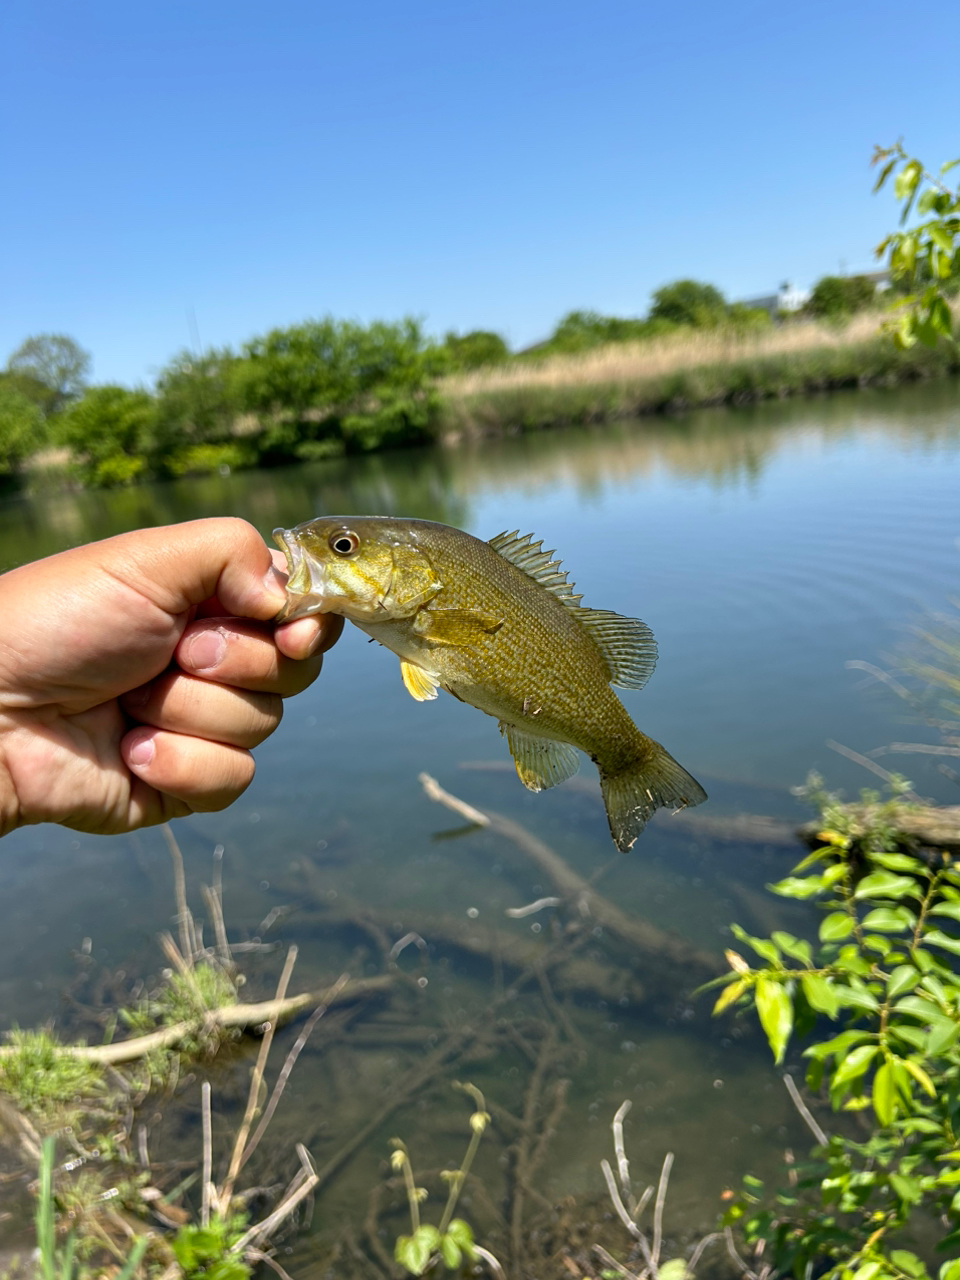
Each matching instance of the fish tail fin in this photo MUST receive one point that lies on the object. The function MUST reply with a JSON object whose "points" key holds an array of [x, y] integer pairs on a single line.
{"points": [[632, 795]]}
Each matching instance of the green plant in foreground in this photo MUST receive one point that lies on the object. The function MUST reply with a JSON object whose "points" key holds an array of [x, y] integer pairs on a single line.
{"points": [[206, 1251], [885, 971], [61, 1263], [45, 1083], [925, 258], [452, 1241]]}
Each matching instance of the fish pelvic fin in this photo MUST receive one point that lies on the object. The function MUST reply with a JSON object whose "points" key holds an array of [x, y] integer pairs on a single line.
{"points": [[420, 684], [633, 795], [541, 762]]}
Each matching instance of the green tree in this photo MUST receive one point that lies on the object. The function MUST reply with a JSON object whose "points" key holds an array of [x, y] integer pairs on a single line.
{"points": [[837, 297], [924, 258], [329, 384], [689, 302], [22, 426], [110, 432], [475, 349], [52, 368]]}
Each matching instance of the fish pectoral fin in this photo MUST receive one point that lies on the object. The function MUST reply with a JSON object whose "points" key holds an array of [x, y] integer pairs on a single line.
{"points": [[420, 684], [461, 627], [541, 762]]}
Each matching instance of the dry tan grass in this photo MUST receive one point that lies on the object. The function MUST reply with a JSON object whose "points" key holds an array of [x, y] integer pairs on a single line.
{"points": [[633, 361]]}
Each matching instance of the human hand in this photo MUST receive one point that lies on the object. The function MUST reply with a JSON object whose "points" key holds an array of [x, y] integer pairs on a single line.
{"points": [[137, 673]]}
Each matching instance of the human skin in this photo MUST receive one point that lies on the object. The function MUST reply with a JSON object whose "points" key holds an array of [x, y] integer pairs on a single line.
{"points": [[137, 673]]}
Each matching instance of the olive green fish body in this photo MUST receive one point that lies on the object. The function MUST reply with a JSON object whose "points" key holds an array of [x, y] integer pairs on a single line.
{"points": [[498, 626]]}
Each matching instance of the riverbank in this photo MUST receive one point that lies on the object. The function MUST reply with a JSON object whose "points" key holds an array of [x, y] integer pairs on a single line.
{"points": [[682, 372]]}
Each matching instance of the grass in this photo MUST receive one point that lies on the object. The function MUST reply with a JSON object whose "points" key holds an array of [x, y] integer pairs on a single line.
{"points": [[684, 371]]}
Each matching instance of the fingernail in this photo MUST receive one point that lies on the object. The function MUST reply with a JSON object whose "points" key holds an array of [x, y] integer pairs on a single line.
{"points": [[142, 750], [205, 650]]}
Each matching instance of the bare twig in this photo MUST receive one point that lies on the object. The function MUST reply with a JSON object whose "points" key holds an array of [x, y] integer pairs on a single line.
{"points": [[434, 790], [867, 763], [807, 1115], [231, 1015], [207, 1154], [490, 1260], [658, 1208], [188, 937], [253, 1097], [532, 907], [263, 1230], [288, 1065], [623, 1165], [701, 1247], [215, 907], [609, 1261]]}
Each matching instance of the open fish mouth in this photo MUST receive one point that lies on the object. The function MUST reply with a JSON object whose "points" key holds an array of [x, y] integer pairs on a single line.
{"points": [[305, 579]]}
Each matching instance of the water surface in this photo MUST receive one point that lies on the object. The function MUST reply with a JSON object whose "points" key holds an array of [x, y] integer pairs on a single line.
{"points": [[766, 548]]}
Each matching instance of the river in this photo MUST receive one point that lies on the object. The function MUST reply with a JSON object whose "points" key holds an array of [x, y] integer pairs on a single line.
{"points": [[767, 548]]}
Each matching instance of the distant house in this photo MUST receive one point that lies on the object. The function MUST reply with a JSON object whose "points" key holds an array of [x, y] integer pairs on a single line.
{"points": [[786, 300]]}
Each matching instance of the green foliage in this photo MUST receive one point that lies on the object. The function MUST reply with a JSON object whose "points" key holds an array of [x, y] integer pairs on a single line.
{"points": [[475, 349], [583, 330], [689, 302], [43, 1080], [367, 386], [924, 259], [22, 426], [884, 970], [51, 369], [110, 431], [839, 297], [60, 1263], [204, 1253], [452, 1241]]}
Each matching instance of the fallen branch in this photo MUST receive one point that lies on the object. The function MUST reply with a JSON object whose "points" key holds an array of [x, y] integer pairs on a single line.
{"points": [[230, 1015]]}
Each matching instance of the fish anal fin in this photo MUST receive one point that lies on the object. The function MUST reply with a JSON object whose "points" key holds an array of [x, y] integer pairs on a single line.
{"points": [[633, 795], [627, 645], [541, 762], [462, 627], [420, 684], [525, 554]]}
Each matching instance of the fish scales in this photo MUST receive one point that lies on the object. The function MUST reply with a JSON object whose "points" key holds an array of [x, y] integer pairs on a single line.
{"points": [[498, 626]]}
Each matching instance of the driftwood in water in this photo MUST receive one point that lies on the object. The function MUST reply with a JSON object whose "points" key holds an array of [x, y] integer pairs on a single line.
{"points": [[917, 827], [643, 938], [515, 951]]}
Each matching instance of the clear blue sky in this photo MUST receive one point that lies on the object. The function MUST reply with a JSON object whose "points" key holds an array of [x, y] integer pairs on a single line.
{"points": [[478, 165]]}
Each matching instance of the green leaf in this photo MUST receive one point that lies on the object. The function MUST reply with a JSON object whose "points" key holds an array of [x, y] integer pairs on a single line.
{"points": [[451, 1252], [867, 1271], [904, 978], [884, 175], [675, 1269], [889, 919], [949, 909], [884, 1094], [908, 1262], [907, 1189], [937, 938], [414, 1252], [854, 1065], [836, 926], [920, 1076], [898, 862], [941, 318], [855, 998], [766, 950], [839, 1044], [943, 1036], [731, 994], [820, 994], [462, 1233], [796, 948], [798, 887], [950, 1270], [775, 1010], [884, 884]]}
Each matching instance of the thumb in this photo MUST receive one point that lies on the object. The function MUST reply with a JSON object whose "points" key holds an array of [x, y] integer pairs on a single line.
{"points": [[181, 565]]}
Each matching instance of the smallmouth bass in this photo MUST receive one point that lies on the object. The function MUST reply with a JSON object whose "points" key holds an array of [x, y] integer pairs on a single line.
{"points": [[498, 625]]}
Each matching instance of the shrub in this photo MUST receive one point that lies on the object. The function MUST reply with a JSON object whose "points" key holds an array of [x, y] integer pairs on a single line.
{"points": [[110, 431]]}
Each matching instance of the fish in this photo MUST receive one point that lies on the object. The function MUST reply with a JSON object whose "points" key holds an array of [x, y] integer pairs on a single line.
{"points": [[498, 625]]}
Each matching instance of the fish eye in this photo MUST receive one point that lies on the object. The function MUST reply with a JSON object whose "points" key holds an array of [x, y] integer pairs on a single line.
{"points": [[343, 542]]}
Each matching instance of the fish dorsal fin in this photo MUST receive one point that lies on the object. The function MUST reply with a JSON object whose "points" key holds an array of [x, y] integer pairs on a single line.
{"points": [[541, 762], [627, 645], [522, 551]]}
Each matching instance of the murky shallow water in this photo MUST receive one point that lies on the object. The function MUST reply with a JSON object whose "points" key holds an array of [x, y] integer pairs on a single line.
{"points": [[766, 548]]}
